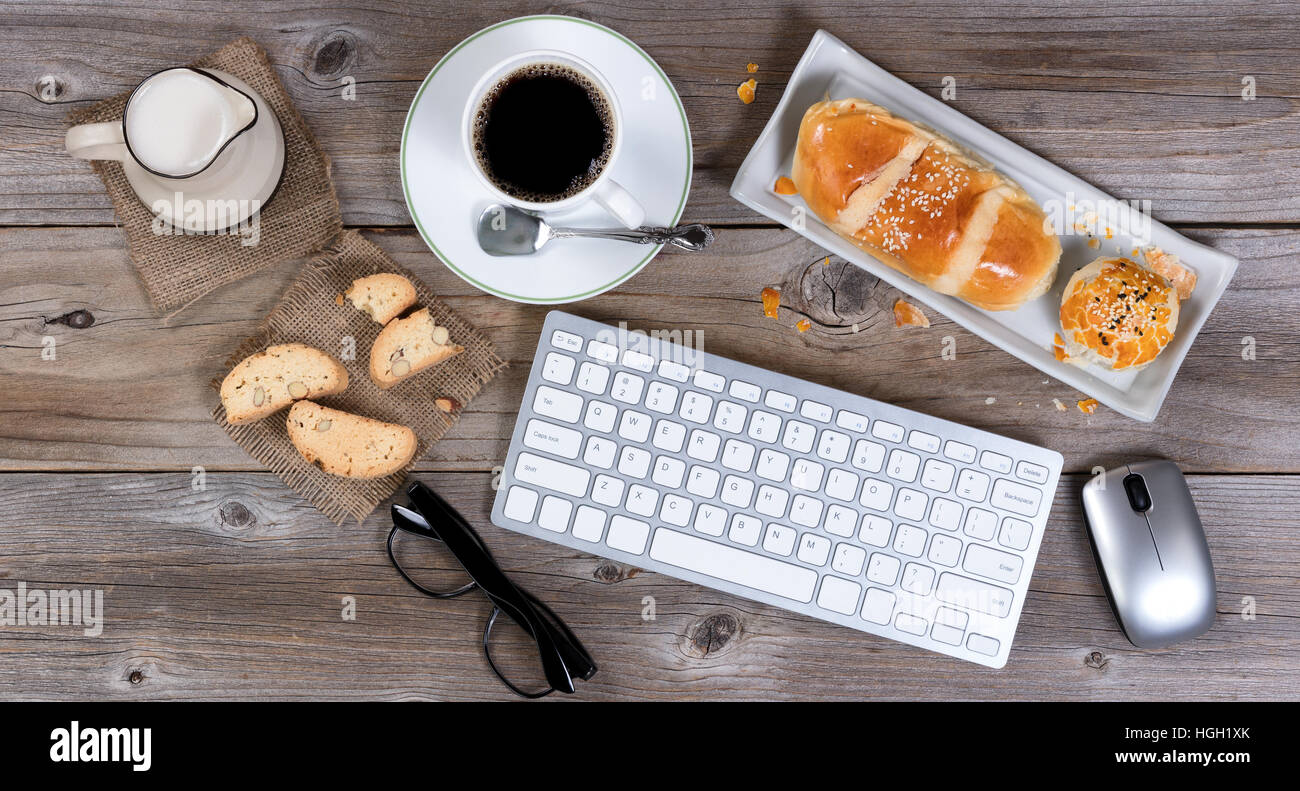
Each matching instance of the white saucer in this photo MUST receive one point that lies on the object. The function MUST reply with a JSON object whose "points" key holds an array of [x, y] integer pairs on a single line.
{"points": [[445, 198]]}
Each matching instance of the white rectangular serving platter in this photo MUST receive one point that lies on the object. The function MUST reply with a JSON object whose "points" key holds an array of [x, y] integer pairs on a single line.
{"points": [[829, 67]]}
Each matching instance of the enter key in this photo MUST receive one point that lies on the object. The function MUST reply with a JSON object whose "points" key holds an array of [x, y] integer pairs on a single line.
{"points": [[991, 563]]}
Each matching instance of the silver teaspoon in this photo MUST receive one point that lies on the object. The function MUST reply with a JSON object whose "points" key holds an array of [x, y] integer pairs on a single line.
{"points": [[506, 230]]}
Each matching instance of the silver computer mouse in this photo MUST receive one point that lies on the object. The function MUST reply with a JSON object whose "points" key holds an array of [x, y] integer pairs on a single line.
{"points": [[1151, 551]]}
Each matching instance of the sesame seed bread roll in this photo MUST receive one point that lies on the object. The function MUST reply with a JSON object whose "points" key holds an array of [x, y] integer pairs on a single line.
{"points": [[266, 382], [1118, 314], [349, 445], [923, 206]]}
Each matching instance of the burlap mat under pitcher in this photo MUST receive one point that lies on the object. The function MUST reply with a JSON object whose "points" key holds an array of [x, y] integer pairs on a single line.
{"points": [[301, 218], [308, 313]]}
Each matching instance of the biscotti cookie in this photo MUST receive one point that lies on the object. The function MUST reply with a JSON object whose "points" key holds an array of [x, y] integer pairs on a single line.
{"points": [[270, 380], [408, 346], [349, 445], [383, 297]]}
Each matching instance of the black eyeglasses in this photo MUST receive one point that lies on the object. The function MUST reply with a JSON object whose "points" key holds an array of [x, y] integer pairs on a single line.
{"points": [[560, 656]]}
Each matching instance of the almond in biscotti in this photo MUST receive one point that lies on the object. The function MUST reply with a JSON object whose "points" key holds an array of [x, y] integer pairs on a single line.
{"points": [[352, 446], [270, 380], [407, 346], [382, 297]]}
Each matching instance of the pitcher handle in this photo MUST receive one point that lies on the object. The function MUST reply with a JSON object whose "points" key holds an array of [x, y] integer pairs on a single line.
{"points": [[97, 141]]}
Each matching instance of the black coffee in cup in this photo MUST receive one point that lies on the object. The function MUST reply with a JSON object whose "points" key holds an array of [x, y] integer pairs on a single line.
{"points": [[543, 133]]}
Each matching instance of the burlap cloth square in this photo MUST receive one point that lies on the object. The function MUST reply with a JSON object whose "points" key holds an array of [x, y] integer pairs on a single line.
{"points": [[301, 218], [308, 313]]}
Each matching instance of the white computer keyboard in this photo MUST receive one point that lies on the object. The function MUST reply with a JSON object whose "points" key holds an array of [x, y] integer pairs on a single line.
{"points": [[776, 489]]}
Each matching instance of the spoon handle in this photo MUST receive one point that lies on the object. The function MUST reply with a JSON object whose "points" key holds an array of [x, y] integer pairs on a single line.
{"points": [[687, 237]]}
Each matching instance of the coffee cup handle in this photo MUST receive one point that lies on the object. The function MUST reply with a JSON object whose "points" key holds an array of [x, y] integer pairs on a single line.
{"points": [[620, 203], [97, 141]]}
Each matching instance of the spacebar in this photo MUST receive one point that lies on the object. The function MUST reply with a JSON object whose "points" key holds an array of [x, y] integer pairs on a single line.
{"points": [[733, 565]]}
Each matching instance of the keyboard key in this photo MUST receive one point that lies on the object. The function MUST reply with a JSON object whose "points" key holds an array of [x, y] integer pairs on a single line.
{"points": [[635, 426], [937, 475], [974, 595], [917, 579], [805, 511], [737, 491], [566, 340], [912, 624], [638, 361], [783, 402], [798, 436], [945, 550], [589, 523], [945, 514], [839, 595], [1015, 533], [910, 541], [815, 411], [744, 391], [703, 481], [669, 436], [849, 559], [548, 437], [842, 485], [703, 445], [696, 406], [634, 462], [807, 475], [709, 381], [981, 524], [1033, 473], [607, 490], [992, 563], [602, 351], [627, 535], [641, 500], [674, 371], [852, 421], [922, 441], [883, 569], [972, 485], [669, 472], [902, 465], [949, 635], [959, 451], [549, 402], [981, 644], [815, 550], [764, 427], [551, 474], [600, 416], [771, 501], [779, 540], [730, 417], [833, 446], [520, 504], [592, 378], [868, 455], [911, 504], [555, 514], [600, 453], [627, 388], [1015, 497], [772, 465], [745, 530], [995, 462], [710, 520], [733, 565], [876, 494], [878, 606], [875, 530], [889, 432], [661, 398], [737, 455], [558, 368]]}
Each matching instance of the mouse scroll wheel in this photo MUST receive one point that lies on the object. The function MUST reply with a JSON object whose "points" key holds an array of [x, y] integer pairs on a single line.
{"points": [[1138, 496]]}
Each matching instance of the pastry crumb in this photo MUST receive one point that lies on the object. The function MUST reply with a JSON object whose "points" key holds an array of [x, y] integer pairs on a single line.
{"points": [[785, 186], [1168, 266], [990, 400], [1088, 406], [746, 90], [771, 302], [751, 67], [1060, 407], [908, 315], [803, 325], [338, 299]]}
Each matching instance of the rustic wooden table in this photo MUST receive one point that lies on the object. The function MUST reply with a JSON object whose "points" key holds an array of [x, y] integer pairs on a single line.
{"points": [[236, 591]]}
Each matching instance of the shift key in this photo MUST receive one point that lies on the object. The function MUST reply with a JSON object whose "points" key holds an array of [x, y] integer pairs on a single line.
{"points": [[550, 474]]}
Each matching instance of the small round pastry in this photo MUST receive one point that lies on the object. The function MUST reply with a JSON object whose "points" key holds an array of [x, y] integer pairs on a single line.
{"points": [[1118, 314]]}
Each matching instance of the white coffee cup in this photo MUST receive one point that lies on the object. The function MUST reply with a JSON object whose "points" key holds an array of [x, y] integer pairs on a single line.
{"points": [[606, 192]]}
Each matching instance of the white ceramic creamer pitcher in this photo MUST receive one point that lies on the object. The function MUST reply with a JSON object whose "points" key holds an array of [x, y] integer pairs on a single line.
{"points": [[200, 148]]}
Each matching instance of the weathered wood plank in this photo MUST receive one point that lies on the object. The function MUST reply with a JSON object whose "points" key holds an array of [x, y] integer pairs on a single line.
{"points": [[237, 592], [130, 391], [1143, 100]]}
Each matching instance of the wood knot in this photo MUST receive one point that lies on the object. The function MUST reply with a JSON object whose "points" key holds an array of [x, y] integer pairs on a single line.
{"points": [[235, 514], [610, 573], [835, 293], [50, 89], [712, 635], [335, 53], [1096, 660], [136, 677], [77, 319]]}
